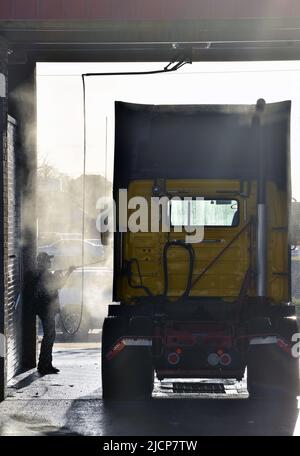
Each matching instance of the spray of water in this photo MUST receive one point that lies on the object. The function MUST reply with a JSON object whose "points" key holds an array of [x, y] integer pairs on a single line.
{"points": [[52, 216]]}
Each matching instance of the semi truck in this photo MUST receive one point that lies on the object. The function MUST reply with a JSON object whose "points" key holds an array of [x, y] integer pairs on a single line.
{"points": [[217, 306]]}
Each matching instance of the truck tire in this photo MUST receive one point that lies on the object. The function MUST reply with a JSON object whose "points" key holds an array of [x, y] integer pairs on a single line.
{"points": [[272, 372], [129, 375]]}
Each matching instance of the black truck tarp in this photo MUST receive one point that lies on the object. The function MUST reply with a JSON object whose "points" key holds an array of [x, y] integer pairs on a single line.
{"points": [[199, 141]]}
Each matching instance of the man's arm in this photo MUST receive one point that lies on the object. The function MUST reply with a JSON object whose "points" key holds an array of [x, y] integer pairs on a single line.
{"points": [[61, 277]]}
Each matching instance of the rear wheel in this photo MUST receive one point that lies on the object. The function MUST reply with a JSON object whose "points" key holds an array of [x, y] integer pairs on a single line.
{"points": [[271, 370], [129, 374]]}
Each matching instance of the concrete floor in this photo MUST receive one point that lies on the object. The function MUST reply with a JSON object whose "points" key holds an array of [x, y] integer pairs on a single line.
{"points": [[70, 403]]}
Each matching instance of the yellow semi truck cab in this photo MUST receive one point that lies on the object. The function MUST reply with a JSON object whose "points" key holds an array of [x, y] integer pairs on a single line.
{"points": [[201, 249]]}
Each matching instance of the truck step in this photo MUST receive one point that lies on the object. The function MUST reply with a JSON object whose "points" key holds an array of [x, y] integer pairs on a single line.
{"points": [[193, 387]]}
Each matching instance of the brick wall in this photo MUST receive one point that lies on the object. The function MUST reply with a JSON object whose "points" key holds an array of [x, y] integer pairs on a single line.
{"points": [[3, 245], [17, 320], [13, 301]]}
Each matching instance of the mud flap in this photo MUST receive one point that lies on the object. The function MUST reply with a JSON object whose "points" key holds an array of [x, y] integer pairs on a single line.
{"points": [[127, 372]]}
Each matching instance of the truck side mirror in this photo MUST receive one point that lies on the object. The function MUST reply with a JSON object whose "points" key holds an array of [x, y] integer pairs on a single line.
{"points": [[294, 229]]}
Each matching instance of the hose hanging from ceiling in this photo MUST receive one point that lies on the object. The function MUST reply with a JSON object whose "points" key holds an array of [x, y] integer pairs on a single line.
{"points": [[171, 67]]}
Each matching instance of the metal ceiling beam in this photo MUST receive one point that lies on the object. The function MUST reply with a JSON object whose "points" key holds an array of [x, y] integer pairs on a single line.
{"points": [[208, 40]]}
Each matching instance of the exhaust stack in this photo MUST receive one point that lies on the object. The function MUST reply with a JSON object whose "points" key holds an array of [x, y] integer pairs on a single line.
{"points": [[262, 223]]}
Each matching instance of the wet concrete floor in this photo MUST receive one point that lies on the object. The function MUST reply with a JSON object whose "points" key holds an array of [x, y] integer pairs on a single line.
{"points": [[70, 404]]}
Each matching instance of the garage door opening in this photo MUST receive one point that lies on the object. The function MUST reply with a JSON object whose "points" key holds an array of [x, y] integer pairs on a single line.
{"points": [[69, 189], [59, 225]]}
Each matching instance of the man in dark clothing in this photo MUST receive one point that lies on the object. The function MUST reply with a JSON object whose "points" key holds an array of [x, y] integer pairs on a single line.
{"points": [[46, 303]]}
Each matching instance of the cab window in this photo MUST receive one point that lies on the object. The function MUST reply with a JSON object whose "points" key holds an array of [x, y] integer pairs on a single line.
{"points": [[204, 212]]}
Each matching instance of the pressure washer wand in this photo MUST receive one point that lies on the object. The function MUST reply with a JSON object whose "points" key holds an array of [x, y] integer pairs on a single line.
{"points": [[78, 266]]}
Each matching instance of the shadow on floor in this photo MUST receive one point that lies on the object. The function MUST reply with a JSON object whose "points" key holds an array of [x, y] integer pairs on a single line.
{"points": [[184, 417], [28, 380]]}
